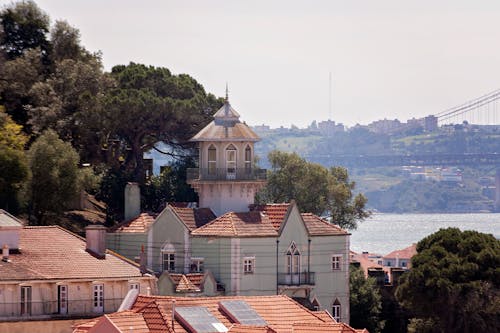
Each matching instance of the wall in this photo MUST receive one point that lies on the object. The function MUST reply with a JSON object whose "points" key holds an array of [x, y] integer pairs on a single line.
{"points": [[126, 244]]}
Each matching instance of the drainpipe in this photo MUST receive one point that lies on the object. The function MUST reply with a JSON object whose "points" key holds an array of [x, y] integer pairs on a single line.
{"points": [[308, 260], [277, 266]]}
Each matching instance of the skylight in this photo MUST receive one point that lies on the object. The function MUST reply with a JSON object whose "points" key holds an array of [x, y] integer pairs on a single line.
{"points": [[199, 320], [242, 313]]}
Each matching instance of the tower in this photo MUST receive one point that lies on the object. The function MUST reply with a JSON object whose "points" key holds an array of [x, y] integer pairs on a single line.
{"points": [[226, 179]]}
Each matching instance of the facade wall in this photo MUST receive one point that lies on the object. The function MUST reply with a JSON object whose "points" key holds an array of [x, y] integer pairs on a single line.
{"points": [[126, 244], [217, 258], [166, 233], [223, 197], [331, 284], [221, 153]]}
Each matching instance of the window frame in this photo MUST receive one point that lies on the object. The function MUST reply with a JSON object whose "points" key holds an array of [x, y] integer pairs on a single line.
{"points": [[336, 262], [168, 261], [199, 263], [337, 310], [249, 265], [212, 163]]}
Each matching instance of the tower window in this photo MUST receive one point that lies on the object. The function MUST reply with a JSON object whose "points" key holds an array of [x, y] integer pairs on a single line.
{"points": [[248, 160], [212, 160]]}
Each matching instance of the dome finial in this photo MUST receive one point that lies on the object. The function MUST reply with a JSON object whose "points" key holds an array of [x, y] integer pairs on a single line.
{"points": [[227, 93]]}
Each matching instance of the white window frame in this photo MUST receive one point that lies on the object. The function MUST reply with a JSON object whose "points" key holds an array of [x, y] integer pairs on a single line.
{"points": [[26, 300], [336, 310], [198, 263], [231, 161], [248, 159], [212, 163], [168, 261], [98, 297], [248, 265], [336, 262], [62, 298]]}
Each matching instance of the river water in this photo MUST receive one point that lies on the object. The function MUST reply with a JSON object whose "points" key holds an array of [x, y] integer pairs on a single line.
{"points": [[384, 233]]}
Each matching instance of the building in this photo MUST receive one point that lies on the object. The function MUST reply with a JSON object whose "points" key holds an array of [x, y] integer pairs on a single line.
{"points": [[246, 249], [238, 314], [400, 258], [48, 272]]}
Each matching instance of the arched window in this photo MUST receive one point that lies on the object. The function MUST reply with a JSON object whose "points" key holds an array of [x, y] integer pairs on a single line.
{"points": [[212, 160], [168, 258], [231, 162], [293, 259], [248, 160], [336, 310]]}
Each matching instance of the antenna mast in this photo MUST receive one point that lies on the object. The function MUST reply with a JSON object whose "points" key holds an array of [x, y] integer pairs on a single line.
{"points": [[330, 96]]}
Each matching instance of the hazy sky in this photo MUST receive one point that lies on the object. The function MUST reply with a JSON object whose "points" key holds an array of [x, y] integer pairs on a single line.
{"points": [[388, 58]]}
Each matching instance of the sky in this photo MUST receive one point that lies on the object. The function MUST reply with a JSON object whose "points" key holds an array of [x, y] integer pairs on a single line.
{"points": [[387, 58]]}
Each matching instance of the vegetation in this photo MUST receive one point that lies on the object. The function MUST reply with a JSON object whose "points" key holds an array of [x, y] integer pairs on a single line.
{"points": [[453, 285], [365, 301], [315, 188]]}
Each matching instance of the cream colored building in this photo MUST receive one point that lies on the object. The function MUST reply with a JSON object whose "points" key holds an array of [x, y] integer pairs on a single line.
{"points": [[48, 272]]}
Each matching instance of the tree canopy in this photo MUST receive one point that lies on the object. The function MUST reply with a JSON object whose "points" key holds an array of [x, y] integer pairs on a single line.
{"points": [[453, 285], [315, 188], [365, 301]]}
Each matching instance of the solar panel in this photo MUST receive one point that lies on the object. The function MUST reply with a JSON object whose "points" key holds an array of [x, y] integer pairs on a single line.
{"points": [[199, 320], [242, 313]]}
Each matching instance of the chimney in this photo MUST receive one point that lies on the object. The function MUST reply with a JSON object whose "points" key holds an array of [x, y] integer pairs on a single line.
{"points": [[132, 201], [96, 240], [142, 261], [5, 253]]}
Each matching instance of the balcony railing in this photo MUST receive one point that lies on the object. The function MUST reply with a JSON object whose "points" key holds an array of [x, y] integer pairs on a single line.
{"points": [[226, 174], [296, 279], [37, 309]]}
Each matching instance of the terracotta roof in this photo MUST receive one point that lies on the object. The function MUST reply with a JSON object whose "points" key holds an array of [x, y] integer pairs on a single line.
{"points": [[247, 224], [139, 224], [54, 253], [275, 212], [193, 217], [365, 262], [194, 278], [8, 220], [185, 285], [281, 313], [406, 253], [238, 132], [316, 226], [128, 321]]}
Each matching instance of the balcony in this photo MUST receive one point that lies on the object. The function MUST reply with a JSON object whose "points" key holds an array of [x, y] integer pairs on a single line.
{"points": [[226, 174], [33, 310], [298, 279]]}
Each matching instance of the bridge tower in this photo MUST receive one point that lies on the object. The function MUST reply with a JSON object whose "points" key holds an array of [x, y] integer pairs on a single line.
{"points": [[497, 191]]}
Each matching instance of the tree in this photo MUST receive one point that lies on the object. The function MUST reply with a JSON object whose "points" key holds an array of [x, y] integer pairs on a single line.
{"points": [[23, 26], [54, 180], [315, 188], [13, 166], [365, 301], [453, 285], [150, 105]]}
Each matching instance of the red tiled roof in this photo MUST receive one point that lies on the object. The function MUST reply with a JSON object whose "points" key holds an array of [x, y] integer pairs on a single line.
{"points": [[138, 224], [193, 217], [247, 224], [316, 226], [275, 212], [194, 278], [128, 321], [238, 132], [365, 262], [406, 253], [54, 253], [281, 313], [185, 285]]}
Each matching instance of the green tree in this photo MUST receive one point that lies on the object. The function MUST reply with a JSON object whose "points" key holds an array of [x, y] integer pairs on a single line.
{"points": [[23, 26], [453, 285], [13, 166], [315, 188], [150, 105], [365, 301], [54, 180]]}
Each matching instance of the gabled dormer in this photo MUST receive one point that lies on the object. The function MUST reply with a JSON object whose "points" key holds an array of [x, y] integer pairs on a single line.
{"points": [[227, 178]]}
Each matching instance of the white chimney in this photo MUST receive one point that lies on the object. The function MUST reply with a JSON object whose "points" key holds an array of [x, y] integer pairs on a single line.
{"points": [[96, 240], [5, 253], [132, 201]]}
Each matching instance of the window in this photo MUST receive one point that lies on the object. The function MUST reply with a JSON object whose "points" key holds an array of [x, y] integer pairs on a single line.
{"points": [[62, 298], [197, 265], [388, 264], [26, 300], [336, 310], [336, 262], [98, 299], [212, 160], [315, 304], [134, 286], [231, 162], [248, 265], [248, 160], [169, 261], [293, 259]]}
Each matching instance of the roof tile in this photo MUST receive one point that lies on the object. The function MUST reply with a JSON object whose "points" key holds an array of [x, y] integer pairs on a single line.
{"points": [[247, 224], [193, 217]]}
